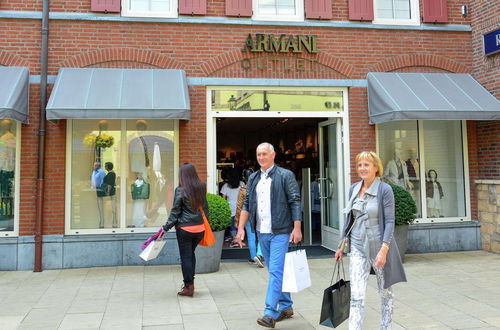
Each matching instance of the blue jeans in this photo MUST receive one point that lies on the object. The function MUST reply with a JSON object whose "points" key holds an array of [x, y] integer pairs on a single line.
{"points": [[254, 250], [274, 248]]}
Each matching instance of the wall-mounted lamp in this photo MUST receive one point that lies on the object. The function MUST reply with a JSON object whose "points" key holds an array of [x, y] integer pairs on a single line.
{"points": [[464, 10]]}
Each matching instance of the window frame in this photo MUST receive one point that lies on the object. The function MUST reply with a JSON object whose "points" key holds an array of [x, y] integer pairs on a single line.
{"points": [[413, 20], [421, 151], [298, 17], [17, 186], [173, 13], [123, 198]]}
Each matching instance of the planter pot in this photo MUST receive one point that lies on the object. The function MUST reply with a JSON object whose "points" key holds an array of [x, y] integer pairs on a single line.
{"points": [[208, 257], [401, 236]]}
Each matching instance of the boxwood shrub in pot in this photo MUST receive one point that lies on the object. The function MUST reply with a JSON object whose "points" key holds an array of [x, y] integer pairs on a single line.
{"points": [[405, 214], [219, 212], [219, 218]]}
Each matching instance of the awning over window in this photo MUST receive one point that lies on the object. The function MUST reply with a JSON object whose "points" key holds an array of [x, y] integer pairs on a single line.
{"points": [[427, 96], [14, 93], [119, 94]]}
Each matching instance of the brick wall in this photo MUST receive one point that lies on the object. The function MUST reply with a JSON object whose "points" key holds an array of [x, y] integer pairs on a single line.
{"points": [[214, 8], [204, 50]]}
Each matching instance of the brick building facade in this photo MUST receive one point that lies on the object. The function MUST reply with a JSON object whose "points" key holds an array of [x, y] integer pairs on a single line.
{"points": [[208, 48]]}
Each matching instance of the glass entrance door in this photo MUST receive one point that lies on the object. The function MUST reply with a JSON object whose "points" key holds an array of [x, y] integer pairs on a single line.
{"points": [[331, 181]]}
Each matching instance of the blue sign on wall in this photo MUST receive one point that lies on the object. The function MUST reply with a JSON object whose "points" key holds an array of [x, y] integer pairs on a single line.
{"points": [[492, 42]]}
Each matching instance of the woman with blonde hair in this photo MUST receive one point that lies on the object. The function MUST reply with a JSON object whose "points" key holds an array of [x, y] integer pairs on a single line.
{"points": [[370, 224]]}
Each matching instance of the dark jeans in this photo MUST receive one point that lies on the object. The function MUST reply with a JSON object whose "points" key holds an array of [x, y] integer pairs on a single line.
{"points": [[187, 244]]}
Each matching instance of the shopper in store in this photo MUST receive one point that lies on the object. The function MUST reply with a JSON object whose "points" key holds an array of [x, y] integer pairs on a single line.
{"points": [[186, 215], [256, 257], [109, 188], [230, 192], [370, 227], [276, 217]]}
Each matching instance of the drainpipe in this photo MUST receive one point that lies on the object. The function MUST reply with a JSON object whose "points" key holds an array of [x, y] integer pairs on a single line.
{"points": [[41, 136]]}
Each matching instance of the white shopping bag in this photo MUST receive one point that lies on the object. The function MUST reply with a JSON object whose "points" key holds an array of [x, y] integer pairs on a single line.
{"points": [[296, 272], [152, 250]]}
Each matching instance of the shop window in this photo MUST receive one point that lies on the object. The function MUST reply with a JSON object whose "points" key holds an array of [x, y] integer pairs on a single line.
{"points": [[9, 176], [401, 12], [427, 159], [278, 10], [149, 8], [276, 100], [122, 174]]}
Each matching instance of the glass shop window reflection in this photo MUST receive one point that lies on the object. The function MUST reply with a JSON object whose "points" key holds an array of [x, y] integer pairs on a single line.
{"points": [[7, 173], [121, 173], [150, 172]]}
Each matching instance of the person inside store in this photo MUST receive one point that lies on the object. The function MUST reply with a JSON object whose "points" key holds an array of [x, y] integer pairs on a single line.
{"points": [[230, 191], [370, 224], [96, 180], [277, 221], [254, 249], [190, 202], [109, 188]]}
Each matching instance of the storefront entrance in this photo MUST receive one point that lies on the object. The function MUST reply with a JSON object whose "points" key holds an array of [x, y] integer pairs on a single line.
{"points": [[310, 147], [306, 126]]}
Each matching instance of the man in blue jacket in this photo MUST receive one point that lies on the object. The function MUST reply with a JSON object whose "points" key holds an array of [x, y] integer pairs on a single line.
{"points": [[272, 205]]}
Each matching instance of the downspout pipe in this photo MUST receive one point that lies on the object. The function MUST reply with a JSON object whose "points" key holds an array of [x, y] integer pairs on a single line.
{"points": [[44, 54]]}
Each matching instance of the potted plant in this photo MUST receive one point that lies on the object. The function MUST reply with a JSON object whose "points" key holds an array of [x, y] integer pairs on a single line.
{"points": [[219, 218], [406, 212]]}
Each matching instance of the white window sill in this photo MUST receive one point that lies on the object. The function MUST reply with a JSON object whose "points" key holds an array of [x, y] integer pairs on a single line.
{"points": [[278, 18], [387, 21], [150, 14]]}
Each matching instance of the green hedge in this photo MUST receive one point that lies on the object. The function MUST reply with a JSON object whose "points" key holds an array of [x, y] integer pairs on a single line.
{"points": [[219, 212], [406, 208]]}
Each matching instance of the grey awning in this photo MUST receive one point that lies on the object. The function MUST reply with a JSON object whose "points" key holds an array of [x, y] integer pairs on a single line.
{"points": [[445, 96], [14, 93], [119, 94]]}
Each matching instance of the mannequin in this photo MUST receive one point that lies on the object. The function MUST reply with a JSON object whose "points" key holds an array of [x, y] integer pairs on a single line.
{"points": [[434, 194], [7, 167], [413, 169], [139, 163], [396, 172], [412, 165]]}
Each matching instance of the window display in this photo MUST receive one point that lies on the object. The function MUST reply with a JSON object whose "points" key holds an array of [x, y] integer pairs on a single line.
{"points": [[442, 174], [130, 180], [398, 149], [7, 173], [444, 165]]}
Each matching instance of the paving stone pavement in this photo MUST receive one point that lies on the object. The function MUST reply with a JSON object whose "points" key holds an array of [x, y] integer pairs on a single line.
{"points": [[459, 290]]}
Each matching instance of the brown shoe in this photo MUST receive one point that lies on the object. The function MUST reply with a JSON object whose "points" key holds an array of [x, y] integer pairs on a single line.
{"points": [[187, 291], [266, 321], [286, 314]]}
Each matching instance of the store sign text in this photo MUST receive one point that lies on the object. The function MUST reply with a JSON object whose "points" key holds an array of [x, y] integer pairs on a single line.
{"points": [[277, 64], [284, 44]]}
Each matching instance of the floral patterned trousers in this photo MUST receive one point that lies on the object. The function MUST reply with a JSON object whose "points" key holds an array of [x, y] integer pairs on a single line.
{"points": [[359, 271]]}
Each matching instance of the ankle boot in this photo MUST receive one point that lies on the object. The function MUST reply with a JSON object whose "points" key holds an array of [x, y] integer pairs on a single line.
{"points": [[187, 291]]}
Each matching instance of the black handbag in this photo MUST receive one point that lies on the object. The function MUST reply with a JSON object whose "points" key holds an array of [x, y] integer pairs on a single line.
{"points": [[336, 300], [140, 192]]}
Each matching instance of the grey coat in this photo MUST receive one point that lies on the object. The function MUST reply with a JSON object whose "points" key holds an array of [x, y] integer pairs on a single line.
{"points": [[393, 269]]}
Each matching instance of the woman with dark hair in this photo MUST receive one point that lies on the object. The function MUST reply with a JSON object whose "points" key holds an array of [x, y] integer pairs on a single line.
{"points": [[230, 192], [434, 194], [186, 215]]}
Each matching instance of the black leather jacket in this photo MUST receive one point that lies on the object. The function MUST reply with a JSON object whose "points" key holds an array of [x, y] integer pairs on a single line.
{"points": [[285, 200], [182, 214]]}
